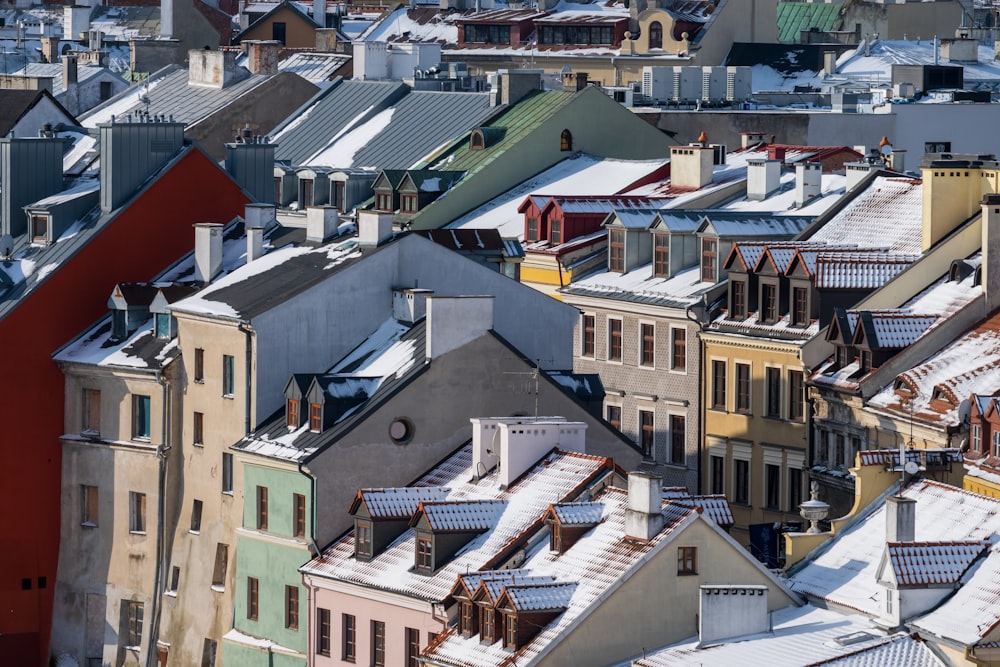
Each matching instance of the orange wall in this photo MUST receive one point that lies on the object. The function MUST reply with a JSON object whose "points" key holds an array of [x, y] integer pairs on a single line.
{"points": [[143, 240]]}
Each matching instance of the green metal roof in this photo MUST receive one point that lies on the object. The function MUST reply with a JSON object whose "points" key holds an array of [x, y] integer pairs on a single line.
{"points": [[794, 17]]}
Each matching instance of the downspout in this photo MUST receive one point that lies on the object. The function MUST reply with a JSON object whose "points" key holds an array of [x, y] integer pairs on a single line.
{"points": [[312, 499], [248, 330], [161, 455], [701, 400]]}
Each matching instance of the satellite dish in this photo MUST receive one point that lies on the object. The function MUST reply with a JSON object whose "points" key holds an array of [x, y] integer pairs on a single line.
{"points": [[6, 246], [911, 468]]}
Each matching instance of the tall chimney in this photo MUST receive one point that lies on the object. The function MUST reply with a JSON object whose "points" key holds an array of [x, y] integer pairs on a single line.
{"points": [[207, 251], [69, 68], [763, 178], [991, 251], [900, 519], [50, 49], [255, 218], [808, 182], [644, 516]]}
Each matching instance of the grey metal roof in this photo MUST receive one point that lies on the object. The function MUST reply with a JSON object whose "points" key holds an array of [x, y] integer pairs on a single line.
{"points": [[645, 298], [55, 70], [328, 113]]}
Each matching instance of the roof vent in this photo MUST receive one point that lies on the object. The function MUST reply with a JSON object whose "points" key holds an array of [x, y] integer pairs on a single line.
{"points": [[854, 638]]}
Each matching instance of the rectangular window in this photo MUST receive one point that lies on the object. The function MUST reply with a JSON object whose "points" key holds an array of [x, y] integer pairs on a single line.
{"points": [[647, 334], [614, 340], [661, 255], [221, 564], [615, 416], [866, 360], [467, 623], [199, 365], [772, 483], [163, 327], [91, 410], [718, 474], [796, 396], [349, 648], [323, 632], [378, 644], [199, 428], [555, 232], [709, 252], [687, 560], [136, 512], [208, 651], [509, 631], [140, 417], [305, 192], [425, 553], [996, 443], [977, 438], [299, 515], [677, 439], [794, 488], [227, 473], [228, 375], [278, 200], [741, 481], [363, 539], [315, 417], [292, 607], [678, 349], [175, 579], [616, 251], [532, 233], [823, 447], [40, 228], [133, 623], [838, 450], [718, 385], [196, 516], [738, 300], [252, 597], [646, 432], [106, 91], [409, 203], [769, 304], [486, 625], [292, 413], [587, 342], [772, 382], [743, 388], [261, 508], [89, 504], [412, 647], [800, 307]]}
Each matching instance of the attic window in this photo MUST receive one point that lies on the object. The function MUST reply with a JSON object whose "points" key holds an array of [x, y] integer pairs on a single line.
{"points": [[510, 631], [362, 539], [292, 413], [39, 229], [661, 255], [531, 234], [315, 417], [468, 618], [616, 251], [566, 141], [409, 203], [425, 554], [476, 141], [902, 388], [487, 633], [164, 325], [655, 35]]}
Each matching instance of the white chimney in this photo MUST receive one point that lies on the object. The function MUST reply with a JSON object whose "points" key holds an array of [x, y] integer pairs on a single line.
{"points": [[644, 516], [900, 519], [728, 611], [691, 166], [763, 178], [855, 172], [453, 321], [409, 304], [374, 228], [207, 251], [748, 139], [808, 182], [255, 218], [321, 223], [523, 444], [898, 160]]}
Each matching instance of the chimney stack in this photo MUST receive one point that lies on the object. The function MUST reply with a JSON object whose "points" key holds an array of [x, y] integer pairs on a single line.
{"points": [[644, 516], [374, 228], [207, 251], [763, 177], [991, 251], [262, 56], [255, 218], [409, 304], [727, 611], [50, 49], [748, 139], [691, 166], [900, 519], [319, 13], [322, 223], [808, 182]]}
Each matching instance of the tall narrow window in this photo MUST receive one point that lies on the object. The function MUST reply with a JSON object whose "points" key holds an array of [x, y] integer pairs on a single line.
{"points": [[315, 417], [769, 304], [794, 488], [976, 435], [252, 598], [221, 565], [510, 631], [305, 193], [261, 508], [349, 647], [175, 579], [292, 607], [718, 384], [198, 424], [196, 516], [996, 443], [467, 618], [277, 191], [615, 416], [208, 652], [655, 35], [299, 515], [363, 539], [677, 439], [718, 474], [412, 647], [648, 335], [199, 365], [133, 624], [741, 481], [800, 307], [678, 349], [140, 417], [292, 413], [137, 512], [616, 251], [531, 234], [661, 255], [566, 141], [772, 484], [227, 472], [323, 631], [738, 300], [90, 505], [228, 375], [588, 337], [743, 387], [614, 340], [378, 644], [91, 410], [709, 252], [796, 397], [772, 380], [687, 560], [555, 232], [646, 432], [425, 554], [486, 632]]}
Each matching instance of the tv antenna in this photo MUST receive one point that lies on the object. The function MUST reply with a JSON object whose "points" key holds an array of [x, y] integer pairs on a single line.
{"points": [[531, 385]]}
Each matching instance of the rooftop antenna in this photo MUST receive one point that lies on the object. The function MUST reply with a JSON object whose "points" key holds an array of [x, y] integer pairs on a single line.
{"points": [[532, 377]]}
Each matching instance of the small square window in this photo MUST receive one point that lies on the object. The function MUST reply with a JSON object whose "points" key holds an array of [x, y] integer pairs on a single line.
{"points": [[687, 560]]}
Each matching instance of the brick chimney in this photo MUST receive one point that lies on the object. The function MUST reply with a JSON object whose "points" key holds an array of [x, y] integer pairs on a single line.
{"points": [[644, 516], [262, 56], [50, 49]]}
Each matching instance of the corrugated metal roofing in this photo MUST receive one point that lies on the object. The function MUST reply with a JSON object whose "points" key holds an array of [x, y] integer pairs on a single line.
{"points": [[462, 515], [794, 17], [932, 563], [398, 503]]}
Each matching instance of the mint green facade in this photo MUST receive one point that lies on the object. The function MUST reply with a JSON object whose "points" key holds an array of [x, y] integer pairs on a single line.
{"points": [[273, 557]]}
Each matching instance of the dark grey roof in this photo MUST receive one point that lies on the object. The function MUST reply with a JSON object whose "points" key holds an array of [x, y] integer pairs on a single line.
{"points": [[329, 112], [650, 299]]}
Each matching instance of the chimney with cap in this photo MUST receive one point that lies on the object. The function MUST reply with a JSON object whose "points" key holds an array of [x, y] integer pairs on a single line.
{"points": [[808, 182], [255, 218]]}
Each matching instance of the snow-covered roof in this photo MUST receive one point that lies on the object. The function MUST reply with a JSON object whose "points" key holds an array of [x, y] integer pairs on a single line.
{"points": [[932, 563], [973, 612], [462, 515], [877, 66], [578, 514], [398, 503], [887, 214]]}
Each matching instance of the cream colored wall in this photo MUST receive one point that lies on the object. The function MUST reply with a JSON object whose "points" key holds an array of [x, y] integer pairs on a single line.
{"points": [[656, 606], [950, 196]]}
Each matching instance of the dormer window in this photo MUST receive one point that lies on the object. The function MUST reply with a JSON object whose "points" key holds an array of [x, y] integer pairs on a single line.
{"points": [[661, 255], [738, 300], [383, 202], [305, 192], [468, 618], [315, 417], [709, 255], [476, 142], [362, 539], [976, 438], [800, 307], [39, 229], [769, 303], [164, 325], [409, 203], [292, 413], [616, 251], [425, 553], [555, 232], [487, 622], [655, 35], [566, 141], [532, 231], [510, 631]]}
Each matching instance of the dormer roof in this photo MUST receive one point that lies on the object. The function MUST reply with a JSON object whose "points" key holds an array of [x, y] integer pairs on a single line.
{"points": [[577, 514], [492, 588], [395, 503], [537, 598], [858, 270], [929, 563], [132, 295], [890, 330], [459, 516], [425, 180]]}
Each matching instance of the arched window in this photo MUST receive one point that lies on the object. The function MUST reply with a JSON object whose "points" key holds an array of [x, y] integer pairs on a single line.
{"points": [[476, 141], [655, 35], [566, 141]]}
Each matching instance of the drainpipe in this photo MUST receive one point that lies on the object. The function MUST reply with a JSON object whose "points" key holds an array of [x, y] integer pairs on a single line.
{"points": [[248, 330], [701, 400], [312, 515], [161, 456]]}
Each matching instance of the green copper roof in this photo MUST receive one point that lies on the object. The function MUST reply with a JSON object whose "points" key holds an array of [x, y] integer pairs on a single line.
{"points": [[794, 17]]}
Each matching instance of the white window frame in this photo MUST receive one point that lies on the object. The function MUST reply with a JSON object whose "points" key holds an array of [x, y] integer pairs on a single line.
{"points": [[976, 437], [734, 378]]}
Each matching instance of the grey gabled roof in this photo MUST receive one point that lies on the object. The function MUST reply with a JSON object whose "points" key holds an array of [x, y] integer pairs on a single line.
{"points": [[311, 127]]}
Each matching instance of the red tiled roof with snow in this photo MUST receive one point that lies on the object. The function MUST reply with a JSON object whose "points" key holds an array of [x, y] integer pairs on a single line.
{"points": [[396, 503], [460, 515], [932, 563], [542, 597], [716, 507], [858, 270], [887, 214], [578, 514], [897, 330]]}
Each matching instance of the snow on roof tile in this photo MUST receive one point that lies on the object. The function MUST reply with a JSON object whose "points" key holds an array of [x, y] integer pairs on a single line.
{"points": [[716, 507], [973, 611], [493, 581], [462, 515], [887, 214], [398, 503], [858, 270], [931, 563], [895, 330], [544, 597], [578, 514]]}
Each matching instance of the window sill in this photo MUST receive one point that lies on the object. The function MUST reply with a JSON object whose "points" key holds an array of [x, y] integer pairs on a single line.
{"points": [[88, 524], [137, 532], [229, 396], [679, 466], [218, 588], [199, 444], [719, 409], [195, 532], [199, 380], [648, 367], [140, 438], [172, 594], [687, 574], [678, 371], [227, 493]]}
